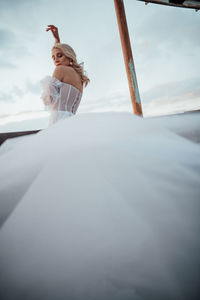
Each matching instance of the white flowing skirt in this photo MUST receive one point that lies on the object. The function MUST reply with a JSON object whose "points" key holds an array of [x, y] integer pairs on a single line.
{"points": [[102, 206]]}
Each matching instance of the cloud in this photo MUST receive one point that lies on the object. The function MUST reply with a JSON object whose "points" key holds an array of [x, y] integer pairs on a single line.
{"points": [[12, 95], [193, 94], [173, 90], [10, 5], [7, 65], [33, 87], [18, 93], [10, 49], [168, 27], [7, 38], [168, 98], [6, 97], [165, 29], [118, 101], [172, 97]]}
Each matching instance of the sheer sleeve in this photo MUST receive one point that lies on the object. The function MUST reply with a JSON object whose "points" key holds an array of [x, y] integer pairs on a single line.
{"points": [[50, 91]]}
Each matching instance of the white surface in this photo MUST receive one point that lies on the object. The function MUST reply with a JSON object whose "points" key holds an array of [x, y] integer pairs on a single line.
{"points": [[107, 208]]}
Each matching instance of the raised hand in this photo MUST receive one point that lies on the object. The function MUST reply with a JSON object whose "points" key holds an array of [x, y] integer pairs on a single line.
{"points": [[54, 31]]}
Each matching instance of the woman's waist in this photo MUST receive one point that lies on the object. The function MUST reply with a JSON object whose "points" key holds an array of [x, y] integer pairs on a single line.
{"points": [[57, 115], [61, 112]]}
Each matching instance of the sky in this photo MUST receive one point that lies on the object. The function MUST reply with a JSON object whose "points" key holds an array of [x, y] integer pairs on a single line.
{"points": [[165, 43]]}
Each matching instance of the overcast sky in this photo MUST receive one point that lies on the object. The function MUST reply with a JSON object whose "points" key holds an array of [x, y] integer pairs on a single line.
{"points": [[165, 44]]}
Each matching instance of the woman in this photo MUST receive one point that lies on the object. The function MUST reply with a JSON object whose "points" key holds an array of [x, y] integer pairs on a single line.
{"points": [[62, 92]]}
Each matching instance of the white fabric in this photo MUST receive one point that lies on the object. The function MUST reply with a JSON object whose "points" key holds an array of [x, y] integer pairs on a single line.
{"points": [[102, 206], [62, 99], [57, 115]]}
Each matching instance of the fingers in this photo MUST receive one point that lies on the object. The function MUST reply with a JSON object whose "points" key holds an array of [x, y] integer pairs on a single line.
{"points": [[52, 28]]}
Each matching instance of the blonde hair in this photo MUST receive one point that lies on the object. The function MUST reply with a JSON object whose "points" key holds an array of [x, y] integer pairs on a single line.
{"points": [[78, 67]]}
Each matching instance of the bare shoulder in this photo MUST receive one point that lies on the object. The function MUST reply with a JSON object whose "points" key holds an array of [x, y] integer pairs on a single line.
{"points": [[58, 73], [62, 72], [68, 75], [68, 71]]}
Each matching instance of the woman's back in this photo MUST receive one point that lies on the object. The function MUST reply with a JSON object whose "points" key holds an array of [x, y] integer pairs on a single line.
{"points": [[70, 76]]}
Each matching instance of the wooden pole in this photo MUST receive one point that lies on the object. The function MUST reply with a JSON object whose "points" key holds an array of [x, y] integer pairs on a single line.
{"points": [[128, 57]]}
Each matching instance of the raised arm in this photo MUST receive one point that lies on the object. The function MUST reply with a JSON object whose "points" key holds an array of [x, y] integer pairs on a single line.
{"points": [[55, 33]]}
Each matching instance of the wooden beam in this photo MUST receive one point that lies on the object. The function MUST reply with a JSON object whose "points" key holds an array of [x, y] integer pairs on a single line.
{"points": [[128, 57]]}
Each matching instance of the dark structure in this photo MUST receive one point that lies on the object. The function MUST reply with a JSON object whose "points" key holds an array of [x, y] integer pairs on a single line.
{"points": [[7, 135], [195, 4]]}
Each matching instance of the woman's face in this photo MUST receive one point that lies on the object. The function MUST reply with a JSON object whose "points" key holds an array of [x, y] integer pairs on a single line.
{"points": [[59, 58]]}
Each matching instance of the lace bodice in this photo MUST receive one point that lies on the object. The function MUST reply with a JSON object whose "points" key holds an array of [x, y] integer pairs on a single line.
{"points": [[61, 98]]}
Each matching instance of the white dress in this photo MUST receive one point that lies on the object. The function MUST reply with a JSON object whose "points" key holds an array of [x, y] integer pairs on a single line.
{"points": [[102, 206], [62, 99]]}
